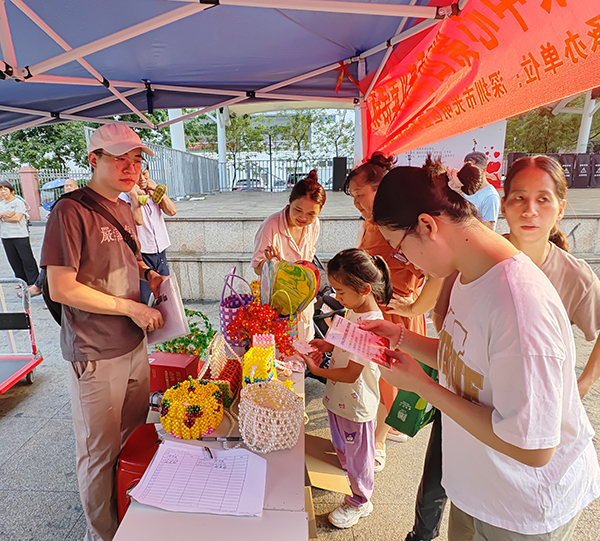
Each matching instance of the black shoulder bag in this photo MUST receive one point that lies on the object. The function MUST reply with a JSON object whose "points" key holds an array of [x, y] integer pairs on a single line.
{"points": [[92, 205]]}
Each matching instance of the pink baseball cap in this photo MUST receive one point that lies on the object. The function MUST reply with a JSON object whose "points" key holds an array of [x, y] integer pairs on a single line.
{"points": [[116, 139]]}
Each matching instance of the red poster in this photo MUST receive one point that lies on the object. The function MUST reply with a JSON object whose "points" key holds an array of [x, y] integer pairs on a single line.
{"points": [[497, 59]]}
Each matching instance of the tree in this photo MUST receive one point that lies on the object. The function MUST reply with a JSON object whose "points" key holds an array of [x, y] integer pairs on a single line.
{"points": [[296, 133], [334, 134], [244, 134], [540, 131], [44, 147]]}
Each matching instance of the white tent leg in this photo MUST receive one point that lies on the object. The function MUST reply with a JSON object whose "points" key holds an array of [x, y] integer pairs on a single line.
{"points": [[177, 132], [358, 148], [222, 146], [586, 123]]}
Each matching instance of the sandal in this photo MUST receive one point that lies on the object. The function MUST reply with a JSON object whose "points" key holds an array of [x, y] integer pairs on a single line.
{"points": [[394, 435], [379, 460]]}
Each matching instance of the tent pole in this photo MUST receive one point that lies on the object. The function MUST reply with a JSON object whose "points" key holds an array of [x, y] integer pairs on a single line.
{"points": [[97, 103], [201, 111], [222, 146], [387, 54], [62, 43], [176, 129], [112, 39], [6, 43], [337, 6]]}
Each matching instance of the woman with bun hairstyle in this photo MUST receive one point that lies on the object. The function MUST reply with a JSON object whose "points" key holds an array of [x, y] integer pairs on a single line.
{"points": [[409, 302], [291, 235], [518, 457], [534, 201]]}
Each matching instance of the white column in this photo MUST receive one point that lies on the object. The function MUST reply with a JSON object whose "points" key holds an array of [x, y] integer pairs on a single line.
{"points": [[359, 119], [586, 123], [222, 117], [358, 146], [177, 134]]}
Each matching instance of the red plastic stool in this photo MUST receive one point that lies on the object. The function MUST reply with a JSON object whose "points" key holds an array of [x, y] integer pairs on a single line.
{"points": [[135, 457]]}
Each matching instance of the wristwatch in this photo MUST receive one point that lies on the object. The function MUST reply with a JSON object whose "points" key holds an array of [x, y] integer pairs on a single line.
{"points": [[146, 273]]}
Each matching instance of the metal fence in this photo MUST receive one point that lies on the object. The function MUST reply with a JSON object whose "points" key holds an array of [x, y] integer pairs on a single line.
{"points": [[183, 173], [14, 178], [278, 175]]}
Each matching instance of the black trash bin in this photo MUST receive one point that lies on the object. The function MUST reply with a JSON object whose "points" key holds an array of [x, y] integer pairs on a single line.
{"points": [[595, 175], [582, 171], [568, 164]]}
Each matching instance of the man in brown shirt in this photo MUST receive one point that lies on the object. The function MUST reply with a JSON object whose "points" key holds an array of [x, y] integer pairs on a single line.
{"points": [[95, 275]]}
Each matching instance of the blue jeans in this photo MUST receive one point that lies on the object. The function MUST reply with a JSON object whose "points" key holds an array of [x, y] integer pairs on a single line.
{"points": [[158, 262]]}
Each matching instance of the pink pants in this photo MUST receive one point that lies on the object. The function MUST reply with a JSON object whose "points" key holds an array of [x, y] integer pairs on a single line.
{"points": [[354, 444], [109, 400]]}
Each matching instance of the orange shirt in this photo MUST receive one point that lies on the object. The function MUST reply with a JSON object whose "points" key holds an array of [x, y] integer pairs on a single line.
{"points": [[407, 281]]}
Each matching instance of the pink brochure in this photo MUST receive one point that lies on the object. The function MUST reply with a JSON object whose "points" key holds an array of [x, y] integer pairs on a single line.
{"points": [[348, 336]]}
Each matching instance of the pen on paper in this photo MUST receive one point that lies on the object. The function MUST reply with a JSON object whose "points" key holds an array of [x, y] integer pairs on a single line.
{"points": [[207, 449], [229, 438]]}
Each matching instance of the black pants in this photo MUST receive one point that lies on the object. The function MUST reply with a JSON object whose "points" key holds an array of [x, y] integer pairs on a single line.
{"points": [[158, 262], [431, 496], [19, 254]]}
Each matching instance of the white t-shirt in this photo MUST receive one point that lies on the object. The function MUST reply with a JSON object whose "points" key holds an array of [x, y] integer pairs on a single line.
{"points": [[507, 343], [14, 230], [356, 401], [487, 202], [152, 234]]}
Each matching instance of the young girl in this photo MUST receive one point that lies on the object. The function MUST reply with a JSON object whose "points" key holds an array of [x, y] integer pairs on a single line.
{"points": [[534, 201], [407, 282], [518, 457], [352, 393]]}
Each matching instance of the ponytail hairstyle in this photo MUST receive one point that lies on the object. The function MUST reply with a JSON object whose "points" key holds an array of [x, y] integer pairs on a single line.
{"points": [[356, 268], [309, 187], [372, 171], [407, 192], [557, 174]]}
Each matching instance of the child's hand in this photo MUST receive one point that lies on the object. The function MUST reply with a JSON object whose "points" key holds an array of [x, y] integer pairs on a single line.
{"points": [[321, 345], [387, 329], [313, 364], [404, 372]]}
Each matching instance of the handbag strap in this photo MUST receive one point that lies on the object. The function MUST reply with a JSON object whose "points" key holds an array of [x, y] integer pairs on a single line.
{"points": [[91, 204], [229, 284], [288, 298]]}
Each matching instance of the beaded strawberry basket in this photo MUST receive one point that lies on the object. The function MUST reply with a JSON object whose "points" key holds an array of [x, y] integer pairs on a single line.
{"points": [[191, 409]]}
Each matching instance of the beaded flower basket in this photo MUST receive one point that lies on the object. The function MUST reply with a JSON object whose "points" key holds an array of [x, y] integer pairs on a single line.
{"points": [[223, 367], [271, 416], [191, 409]]}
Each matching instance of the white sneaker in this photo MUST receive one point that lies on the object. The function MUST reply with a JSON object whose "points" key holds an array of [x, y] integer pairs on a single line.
{"points": [[346, 516]]}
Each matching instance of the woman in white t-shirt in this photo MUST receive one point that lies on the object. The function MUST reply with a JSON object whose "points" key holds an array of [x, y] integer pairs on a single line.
{"points": [[362, 282], [291, 235], [15, 235], [517, 450], [534, 201]]}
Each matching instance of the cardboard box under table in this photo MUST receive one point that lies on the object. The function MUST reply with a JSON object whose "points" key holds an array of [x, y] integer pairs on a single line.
{"points": [[284, 514]]}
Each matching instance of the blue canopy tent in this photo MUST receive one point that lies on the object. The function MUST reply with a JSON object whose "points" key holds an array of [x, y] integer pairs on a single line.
{"points": [[74, 60]]}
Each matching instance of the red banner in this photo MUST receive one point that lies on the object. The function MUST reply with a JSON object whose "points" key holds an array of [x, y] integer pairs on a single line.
{"points": [[497, 59]]}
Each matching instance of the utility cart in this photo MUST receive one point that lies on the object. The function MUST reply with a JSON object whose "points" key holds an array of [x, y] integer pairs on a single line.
{"points": [[19, 340]]}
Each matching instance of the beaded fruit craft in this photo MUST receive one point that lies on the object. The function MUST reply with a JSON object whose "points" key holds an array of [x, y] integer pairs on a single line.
{"points": [[191, 409], [261, 319]]}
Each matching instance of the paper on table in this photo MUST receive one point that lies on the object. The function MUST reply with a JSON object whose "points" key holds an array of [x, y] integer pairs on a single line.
{"points": [[182, 477], [170, 305], [348, 336]]}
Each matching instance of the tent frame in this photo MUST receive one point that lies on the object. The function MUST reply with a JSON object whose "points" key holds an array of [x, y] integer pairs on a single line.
{"points": [[36, 73]]}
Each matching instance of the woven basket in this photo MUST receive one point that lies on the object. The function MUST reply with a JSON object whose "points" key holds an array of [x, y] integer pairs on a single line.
{"points": [[271, 416], [223, 367]]}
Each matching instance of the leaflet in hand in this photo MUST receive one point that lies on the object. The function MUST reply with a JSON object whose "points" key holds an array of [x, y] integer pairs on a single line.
{"points": [[170, 305], [348, 336]]}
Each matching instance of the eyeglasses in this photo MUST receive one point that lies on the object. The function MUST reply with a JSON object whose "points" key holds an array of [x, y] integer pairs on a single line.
{"points": [[123, 162], [397, 254]]}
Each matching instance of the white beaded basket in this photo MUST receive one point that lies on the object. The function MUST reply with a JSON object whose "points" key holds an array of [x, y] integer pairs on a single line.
{"points": [[271, 416]]}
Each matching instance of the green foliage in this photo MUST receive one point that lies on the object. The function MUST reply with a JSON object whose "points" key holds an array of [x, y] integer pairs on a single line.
{"points": [[194, 343], [159, 137], [540, 131], [334, 135], [44, 147]]}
